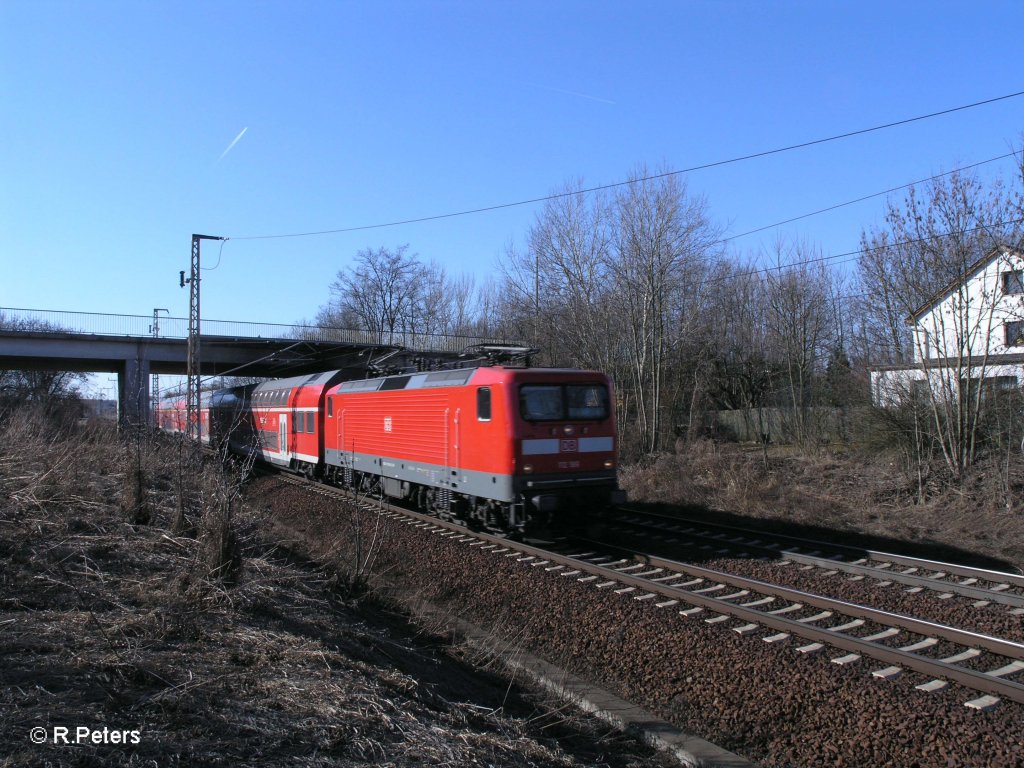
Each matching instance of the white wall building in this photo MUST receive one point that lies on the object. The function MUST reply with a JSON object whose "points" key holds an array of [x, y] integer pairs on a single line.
{"points": [[971, 331]]}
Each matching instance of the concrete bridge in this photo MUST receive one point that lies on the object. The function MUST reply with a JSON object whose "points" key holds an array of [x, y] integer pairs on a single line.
{"points": [[125, 345]]}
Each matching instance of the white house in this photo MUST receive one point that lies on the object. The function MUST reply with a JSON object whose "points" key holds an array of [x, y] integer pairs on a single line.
{"points": [[970, 332]]}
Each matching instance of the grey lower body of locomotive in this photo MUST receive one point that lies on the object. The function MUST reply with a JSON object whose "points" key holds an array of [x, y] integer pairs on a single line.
{"points": [[545, 493]]}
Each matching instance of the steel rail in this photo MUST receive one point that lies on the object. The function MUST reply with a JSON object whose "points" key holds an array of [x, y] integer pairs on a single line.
{"points": [[964, 637], [975, 593], [1014, 579], [969, 678], [979, 681]]}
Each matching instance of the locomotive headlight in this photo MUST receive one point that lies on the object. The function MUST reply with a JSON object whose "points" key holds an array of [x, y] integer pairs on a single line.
{"points": [[609, 464], [527, 468], [568, 429]]}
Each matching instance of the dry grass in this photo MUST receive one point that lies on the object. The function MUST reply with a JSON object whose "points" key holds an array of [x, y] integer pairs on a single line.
{"points": [[851, 497], [110, 621]]}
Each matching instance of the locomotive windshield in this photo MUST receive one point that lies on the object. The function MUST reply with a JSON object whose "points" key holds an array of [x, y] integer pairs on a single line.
{"points": [[565, 402]]}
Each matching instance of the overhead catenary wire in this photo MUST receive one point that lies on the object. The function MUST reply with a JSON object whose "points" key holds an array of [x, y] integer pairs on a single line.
{"points": [[836, 258], [959, 169], [849, 256], [652, 177], [220, 253]]}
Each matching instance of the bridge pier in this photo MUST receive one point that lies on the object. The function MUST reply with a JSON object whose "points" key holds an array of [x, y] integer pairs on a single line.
{"points": [[133, 391]]}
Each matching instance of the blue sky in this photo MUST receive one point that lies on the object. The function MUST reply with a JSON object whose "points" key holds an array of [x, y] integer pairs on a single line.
{"points": [[116, 116]]}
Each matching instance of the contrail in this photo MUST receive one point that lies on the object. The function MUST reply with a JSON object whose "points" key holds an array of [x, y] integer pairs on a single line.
{"points": [[575, 93], [232, 144]]}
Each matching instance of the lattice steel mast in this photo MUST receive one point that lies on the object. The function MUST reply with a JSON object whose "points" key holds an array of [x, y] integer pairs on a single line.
{"points": [[154, 396], [192, 369]]}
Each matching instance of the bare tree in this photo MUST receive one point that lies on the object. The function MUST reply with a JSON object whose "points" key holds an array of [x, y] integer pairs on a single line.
{"points": [[567, 259], [395, 296], [464, 307], [930, 239], [18, 385], [800, 322], [440, 303], [739, 360], [663, 239], [929, 250], [377, 293]]}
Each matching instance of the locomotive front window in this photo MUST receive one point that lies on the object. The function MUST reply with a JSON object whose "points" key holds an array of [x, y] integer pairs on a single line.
{"points": [[540, 403], [578, 402], [587, 401]]}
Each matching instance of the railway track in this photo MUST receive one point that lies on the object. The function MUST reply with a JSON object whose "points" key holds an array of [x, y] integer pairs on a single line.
{"points": [[862, 631], [983, 586], [941, 654]]}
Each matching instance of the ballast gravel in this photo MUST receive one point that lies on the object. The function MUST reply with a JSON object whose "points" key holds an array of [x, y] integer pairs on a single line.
{"points": [[995, 619], [763, 700]]}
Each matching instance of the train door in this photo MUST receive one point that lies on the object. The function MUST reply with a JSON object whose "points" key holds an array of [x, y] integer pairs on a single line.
{"points": [[348, 463], [457, 435], [341, 439], [447, 448], [282, 434]]}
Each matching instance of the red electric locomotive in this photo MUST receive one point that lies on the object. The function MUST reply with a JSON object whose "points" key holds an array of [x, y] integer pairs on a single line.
{"points": [[494, 446]]}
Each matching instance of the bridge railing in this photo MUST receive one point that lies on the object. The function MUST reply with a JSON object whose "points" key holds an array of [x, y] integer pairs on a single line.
{"points": [[95, 323]]}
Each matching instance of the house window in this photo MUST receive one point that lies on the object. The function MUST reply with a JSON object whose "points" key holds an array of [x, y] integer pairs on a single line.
{"points": [[1013, 282], [1002, 383], [1015, 333], [991, 387], [920, 391]]}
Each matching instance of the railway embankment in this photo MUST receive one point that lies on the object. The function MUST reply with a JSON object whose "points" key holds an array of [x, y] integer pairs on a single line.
{"points": [[767, 701], [121, 645], [271, 639]]}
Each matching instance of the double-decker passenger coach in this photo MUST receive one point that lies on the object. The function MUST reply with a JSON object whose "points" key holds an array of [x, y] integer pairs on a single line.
{"points": [[286, 418]]}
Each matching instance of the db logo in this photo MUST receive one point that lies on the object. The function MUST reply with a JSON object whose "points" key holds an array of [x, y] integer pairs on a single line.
{"points": [[569, 446]]}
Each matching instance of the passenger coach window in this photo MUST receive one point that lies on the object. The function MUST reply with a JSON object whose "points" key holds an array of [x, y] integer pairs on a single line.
{"points": [[483, 404], [310, 423], [330, 406]]}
